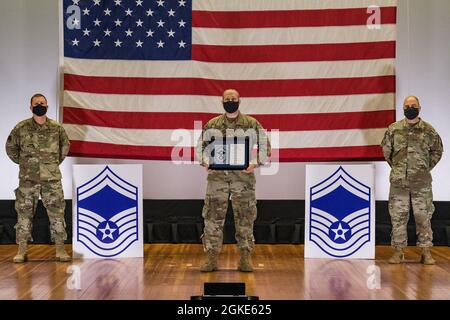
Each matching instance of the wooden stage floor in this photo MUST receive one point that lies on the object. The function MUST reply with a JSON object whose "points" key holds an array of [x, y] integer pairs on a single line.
{"points": [[171, 272]]}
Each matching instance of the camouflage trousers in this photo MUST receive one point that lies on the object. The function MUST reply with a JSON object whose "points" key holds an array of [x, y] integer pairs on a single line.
{"points": [[27, 196], [239, 187], [400, 200]]}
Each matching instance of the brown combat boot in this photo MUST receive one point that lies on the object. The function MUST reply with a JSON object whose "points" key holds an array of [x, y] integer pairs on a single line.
{"points": [[397, 257], [210, 263], [21, 255], [245, 263], [61, 254], [426, 257]]}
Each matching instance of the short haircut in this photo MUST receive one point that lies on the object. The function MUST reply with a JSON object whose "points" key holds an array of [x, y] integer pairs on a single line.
{"points": [[231, 89], [37, 95], [417, 99]]}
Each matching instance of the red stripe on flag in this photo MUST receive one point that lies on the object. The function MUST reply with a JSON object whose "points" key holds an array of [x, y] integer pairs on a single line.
{"points": [[247, 88], [116, 151], [105, 150], [290, 53], [328, 121], [185, 120], [289, 18]]}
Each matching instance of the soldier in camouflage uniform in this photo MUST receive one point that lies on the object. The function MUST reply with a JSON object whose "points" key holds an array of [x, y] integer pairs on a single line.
{"points": [[39, 145], [237, 186], [412, 148]]}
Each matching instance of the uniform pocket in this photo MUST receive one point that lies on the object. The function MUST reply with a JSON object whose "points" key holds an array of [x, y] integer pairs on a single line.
{"points": [[50, 157], [50, 147], [400, 142], [206, 206], [252, 209]]}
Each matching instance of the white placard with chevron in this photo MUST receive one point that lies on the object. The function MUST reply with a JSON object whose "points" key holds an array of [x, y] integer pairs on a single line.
{"points": [[340, 212], [107, 211]]}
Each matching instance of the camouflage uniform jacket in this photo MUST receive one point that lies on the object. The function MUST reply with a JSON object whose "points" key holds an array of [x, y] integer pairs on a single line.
{"points": [[412, 151], [38, 149], [242, 126]]}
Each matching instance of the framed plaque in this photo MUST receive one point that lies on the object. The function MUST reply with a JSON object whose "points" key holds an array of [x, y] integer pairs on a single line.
{"points": [[229, 153]]}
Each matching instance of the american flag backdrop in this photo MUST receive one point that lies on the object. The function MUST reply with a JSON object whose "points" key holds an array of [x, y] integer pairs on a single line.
{"points": [[136, 70]]}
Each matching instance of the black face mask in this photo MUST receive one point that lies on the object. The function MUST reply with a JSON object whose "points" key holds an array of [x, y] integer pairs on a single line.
{"points": [[231, 106], [39, 110], [411, 113]]}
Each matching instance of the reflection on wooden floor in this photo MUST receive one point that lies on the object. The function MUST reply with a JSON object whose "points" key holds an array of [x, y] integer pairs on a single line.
{"points": [[172, 272]]}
